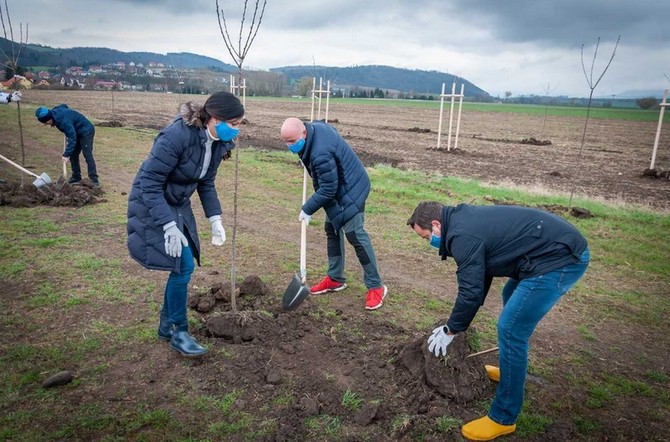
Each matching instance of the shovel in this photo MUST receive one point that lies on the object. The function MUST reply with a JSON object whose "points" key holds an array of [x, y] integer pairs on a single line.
{"points": [[297, 290], [42, 180], [63, 178]]}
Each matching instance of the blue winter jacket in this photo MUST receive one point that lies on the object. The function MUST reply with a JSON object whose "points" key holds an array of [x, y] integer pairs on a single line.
{"points": [[72, 124], [341, 183], [162, 190], [490, 241]]}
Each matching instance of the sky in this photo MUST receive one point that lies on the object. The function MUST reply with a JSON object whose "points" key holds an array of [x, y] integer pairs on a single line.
{"points": [[521, 46]]}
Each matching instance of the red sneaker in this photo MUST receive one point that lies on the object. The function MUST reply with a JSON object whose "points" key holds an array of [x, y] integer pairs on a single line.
{"points": [[327, 285], [376, 298]]}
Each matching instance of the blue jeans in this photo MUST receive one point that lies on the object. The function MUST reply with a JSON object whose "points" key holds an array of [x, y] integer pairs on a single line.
{"points": [[176, 291], [360, 240], [85, 146], [525, 303]]}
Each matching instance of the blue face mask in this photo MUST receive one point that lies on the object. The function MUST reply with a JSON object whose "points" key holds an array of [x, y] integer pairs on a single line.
{"points": [[225, 132], [435, 241], [297, 146]]}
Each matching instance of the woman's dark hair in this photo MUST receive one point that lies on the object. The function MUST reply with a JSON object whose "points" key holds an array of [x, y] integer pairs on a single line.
{"points": [[224, 106], [425, 213]]}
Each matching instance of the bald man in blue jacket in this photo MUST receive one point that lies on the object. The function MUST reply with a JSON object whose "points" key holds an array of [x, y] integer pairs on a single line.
{"points": [[341, 188]]}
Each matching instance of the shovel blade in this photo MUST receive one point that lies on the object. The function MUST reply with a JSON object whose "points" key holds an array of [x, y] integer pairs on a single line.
{"points": [[42, 180], [295, 294]]}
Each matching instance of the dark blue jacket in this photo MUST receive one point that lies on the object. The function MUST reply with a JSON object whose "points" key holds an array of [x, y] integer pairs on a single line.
{"points": [[340, 180], [490, 241], [72, 124], [162, 190]]}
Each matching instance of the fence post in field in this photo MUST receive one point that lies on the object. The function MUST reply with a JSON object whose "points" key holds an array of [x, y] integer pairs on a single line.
{"points": [[458, 118], [439, 123], [315, 97], [663, 105], [452, 95]]}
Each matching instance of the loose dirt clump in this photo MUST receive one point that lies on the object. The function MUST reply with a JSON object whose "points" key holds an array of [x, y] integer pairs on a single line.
{"points": [[455, 377], [55, 194], [249, 294], [656, 173], [536, 142], [418, 130], [112, 123]]}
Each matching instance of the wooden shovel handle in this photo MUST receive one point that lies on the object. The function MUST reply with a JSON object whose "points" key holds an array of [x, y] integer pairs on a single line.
{"points": [[483, 352]]}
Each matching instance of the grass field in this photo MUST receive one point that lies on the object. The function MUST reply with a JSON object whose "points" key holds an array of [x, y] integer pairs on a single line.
{"points": [[72, 298], [529, 109]]}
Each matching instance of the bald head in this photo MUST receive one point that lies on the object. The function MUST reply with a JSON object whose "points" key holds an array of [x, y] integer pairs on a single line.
{"points": [[292, 130]]}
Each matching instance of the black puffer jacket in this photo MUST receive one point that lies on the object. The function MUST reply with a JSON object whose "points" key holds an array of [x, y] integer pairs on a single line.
{"points": [[490, 241], [163, 187], [341, 182]]}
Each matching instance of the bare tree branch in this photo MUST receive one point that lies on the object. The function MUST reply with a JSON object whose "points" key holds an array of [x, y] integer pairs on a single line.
{"points": [[13, 64], [240, 53], [592, 87], [238, 58]]}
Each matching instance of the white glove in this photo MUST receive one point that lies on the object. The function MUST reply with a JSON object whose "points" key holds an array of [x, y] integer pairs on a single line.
{"points": [[15, 96], [218, 232], [304, 217], [439, 341], [174, 239]]}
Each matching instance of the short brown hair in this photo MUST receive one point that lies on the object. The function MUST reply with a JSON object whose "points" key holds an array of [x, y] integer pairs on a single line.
{"points": [[425, 213]]}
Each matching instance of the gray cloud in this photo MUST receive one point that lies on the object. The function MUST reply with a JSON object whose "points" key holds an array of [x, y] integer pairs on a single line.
{"points": [[516, 45], [571, 22]]}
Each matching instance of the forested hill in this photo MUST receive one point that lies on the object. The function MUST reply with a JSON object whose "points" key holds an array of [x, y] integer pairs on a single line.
{"points": [[38, 55], [383, 77]]}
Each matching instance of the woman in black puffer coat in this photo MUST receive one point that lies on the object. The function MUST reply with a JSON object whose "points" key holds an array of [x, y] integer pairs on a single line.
{"points": [[162, 231]]}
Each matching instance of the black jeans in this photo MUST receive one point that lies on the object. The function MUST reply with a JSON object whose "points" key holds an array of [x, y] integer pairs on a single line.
{"points": [[85, 146]]}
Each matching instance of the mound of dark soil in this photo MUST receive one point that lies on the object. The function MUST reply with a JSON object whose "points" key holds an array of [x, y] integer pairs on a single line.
{"points": [[536, 142], [55, 194], [656, 173], [324, 357], [111, 123]]}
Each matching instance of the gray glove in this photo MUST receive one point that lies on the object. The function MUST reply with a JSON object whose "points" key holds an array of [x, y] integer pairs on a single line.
{"points": [[15, 96], [218, 232], [439, 341], [304, 217], [174, 239]]}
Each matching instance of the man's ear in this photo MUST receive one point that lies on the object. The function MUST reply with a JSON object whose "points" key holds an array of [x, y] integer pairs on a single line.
{"points": [[436, 223]]}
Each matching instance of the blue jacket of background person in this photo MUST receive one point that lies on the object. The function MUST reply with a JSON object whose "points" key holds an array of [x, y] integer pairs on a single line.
{"points": [[162, 190], [341, 183], [492, 241], [71, 123]]}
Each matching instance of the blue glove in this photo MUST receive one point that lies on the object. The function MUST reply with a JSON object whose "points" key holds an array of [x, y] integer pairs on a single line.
{"points": [[174, 239], [439, 341]]}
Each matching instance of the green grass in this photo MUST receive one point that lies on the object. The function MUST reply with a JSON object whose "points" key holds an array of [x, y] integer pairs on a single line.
{"points": [[528, 109], [67, 269]]}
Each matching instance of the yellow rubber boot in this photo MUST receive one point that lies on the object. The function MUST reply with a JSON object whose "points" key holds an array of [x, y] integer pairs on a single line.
{"points": [[485, 429], [493, 372]]}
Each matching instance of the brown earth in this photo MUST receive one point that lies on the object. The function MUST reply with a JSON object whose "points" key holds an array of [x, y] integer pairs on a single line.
{"points": [[492, 146], [312, 355]]}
